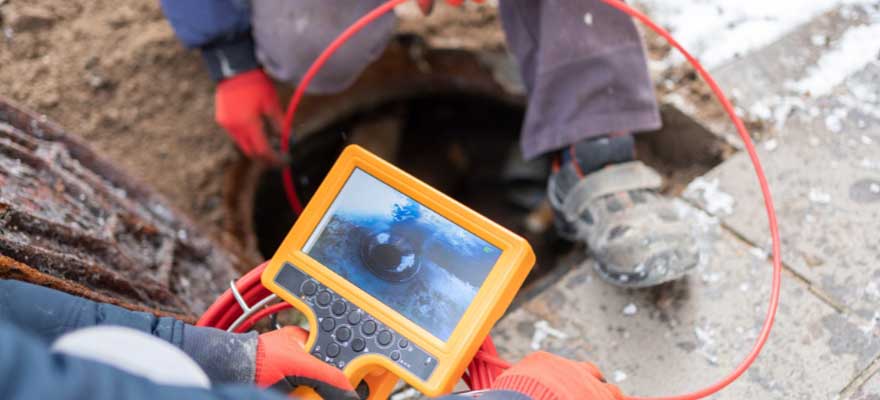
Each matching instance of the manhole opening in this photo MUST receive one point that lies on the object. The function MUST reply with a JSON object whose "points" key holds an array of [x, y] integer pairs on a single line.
{"points": [[466, 145]]}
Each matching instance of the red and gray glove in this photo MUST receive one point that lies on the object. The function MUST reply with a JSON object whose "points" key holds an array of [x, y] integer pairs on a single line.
{"points": [[274, 360], [243, 104], [283, 365], [544, 376]]}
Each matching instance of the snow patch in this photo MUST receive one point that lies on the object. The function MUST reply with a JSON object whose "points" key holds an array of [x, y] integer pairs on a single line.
{"points": [[853, 51], [818, 196], [833, 123], [543, 330], [716, 31], [706, 339], [758, 253], [715, 200]]}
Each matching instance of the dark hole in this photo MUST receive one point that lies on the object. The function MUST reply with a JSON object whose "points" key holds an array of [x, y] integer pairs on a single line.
{"points": [[385, 256]]}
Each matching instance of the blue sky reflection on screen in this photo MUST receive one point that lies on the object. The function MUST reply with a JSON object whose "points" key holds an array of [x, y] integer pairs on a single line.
{"points": [[444, 265]]}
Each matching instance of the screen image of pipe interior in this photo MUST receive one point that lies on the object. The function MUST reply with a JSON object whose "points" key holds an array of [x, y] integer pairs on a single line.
{"points": [[402, 253]]}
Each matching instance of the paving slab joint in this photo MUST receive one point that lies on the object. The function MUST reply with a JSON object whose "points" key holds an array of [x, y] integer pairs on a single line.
{"points": [[860, 380], [803, 280]]}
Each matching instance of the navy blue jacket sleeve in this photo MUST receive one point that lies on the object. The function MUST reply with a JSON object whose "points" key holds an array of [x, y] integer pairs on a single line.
{"points": [[201, 22], [31, 317], [220, 28], [48, 314], [29, 371]]}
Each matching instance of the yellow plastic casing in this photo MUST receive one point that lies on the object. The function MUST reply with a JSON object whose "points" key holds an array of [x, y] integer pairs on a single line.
{"points": [[489, 304]]}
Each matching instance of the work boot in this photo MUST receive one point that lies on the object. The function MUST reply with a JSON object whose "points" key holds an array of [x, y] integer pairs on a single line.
{"points": [[606, 199]]}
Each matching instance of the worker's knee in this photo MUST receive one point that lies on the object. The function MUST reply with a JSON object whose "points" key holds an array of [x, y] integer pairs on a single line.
{"points": [[291, 34]]}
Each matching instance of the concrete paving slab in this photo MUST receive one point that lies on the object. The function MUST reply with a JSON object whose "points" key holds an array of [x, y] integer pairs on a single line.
{"points": [[824, 170], [870, 390], [682, 336]]}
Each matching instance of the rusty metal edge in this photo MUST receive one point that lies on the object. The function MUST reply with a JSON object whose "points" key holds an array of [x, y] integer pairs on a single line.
{"points": [[42, 128]]}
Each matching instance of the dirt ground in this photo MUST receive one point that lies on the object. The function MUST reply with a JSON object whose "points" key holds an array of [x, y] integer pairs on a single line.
{"points": [[115, 74]]}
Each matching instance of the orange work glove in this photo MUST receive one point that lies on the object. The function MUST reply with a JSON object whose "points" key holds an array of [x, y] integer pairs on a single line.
{"points": [[283, 365], [545, 376], [242, 103]]}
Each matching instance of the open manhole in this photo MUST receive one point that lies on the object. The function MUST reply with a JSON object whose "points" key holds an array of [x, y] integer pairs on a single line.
{"points": [[463, 145], [460, 137]]}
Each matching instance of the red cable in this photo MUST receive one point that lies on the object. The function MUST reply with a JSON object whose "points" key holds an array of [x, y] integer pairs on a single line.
{"points": [[481, 373], [223, 312], [287, 174]]}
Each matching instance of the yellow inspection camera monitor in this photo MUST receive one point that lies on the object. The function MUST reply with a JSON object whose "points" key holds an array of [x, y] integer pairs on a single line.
{"points": [[397, 280]]}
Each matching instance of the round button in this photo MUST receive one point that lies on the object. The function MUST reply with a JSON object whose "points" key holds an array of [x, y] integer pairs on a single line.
{"points": [[395, 355], [369, 327], [327, 324], [354, 317], [309, 288], [403, 343], [384, 338], [324, 298], [358, 344], [343, 334], [338, 308], [332, 350]]}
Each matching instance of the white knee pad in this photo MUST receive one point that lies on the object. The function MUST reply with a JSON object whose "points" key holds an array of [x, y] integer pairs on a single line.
{"points": [[134, 352]]}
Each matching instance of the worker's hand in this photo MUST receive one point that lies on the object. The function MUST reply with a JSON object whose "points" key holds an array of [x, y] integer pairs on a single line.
{"points": [[428, 5], [282, 364], [542, 375], [243, 103]]}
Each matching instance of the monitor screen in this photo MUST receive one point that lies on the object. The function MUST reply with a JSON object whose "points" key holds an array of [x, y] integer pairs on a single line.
{"points": [[402, 253]]}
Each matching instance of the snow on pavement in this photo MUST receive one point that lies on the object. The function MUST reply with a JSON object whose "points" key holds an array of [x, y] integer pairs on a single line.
{"points": [[718, 30], [858, 47]]}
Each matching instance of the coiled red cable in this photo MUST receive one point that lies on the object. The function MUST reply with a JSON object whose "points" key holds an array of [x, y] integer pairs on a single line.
{"points": [[486, 366]]}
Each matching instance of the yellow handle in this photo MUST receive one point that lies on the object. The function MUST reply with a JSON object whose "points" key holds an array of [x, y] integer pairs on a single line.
{"points": [[305, 393]]}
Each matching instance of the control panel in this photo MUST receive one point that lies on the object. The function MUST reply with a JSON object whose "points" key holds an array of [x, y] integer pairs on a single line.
{"points": [[346, 331]]}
